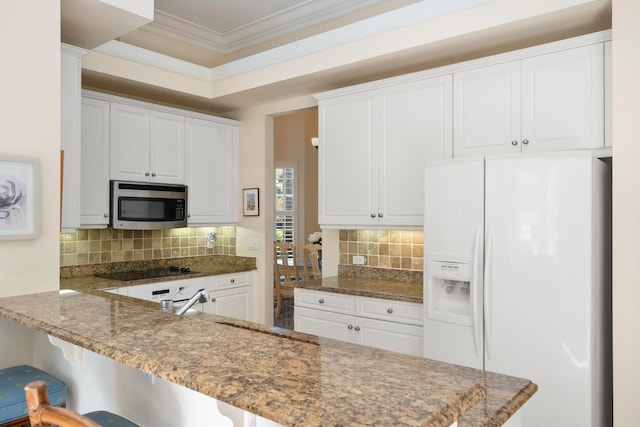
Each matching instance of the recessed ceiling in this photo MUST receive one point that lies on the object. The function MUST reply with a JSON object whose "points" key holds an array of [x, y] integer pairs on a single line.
{"points": [[213, 32], [218, 56]]}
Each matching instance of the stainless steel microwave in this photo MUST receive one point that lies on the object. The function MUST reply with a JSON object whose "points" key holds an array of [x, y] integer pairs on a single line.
{"points": [[144, 206]]}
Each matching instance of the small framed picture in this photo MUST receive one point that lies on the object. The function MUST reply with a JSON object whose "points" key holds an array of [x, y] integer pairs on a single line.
{"points": [[19, 198], [251, 202]]}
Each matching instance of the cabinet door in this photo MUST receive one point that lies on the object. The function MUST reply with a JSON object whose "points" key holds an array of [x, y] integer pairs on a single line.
{"points": [[166, 155], [129, 143], [324, 323], [94, 170], [563, 100], [70, 137], [391, 336], [211, 172], [348, 161], [236, 303], [487, 110], [415, 127]]}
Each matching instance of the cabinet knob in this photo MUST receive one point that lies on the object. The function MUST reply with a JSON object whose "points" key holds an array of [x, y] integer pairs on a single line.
{"points": [[106, 215], [213, 300], [350, 327], [379, 215], [153, 174], [146, 174], [525, 141], [373, 215], [321, 300], [233, 280], [357, 328], [188, 215], [390, 310], [514, 142]]}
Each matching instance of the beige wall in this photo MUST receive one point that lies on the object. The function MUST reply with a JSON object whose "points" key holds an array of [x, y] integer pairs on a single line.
{"points": [[626, 211], [256, 170], [30, 111], [292, 143]]}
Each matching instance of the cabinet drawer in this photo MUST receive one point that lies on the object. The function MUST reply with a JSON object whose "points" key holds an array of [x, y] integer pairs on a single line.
{"points": [[328, 301], [390, 310], [227, 281]]}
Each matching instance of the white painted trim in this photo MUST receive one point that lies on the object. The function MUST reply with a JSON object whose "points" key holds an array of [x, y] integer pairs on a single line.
{"points": [[593, 38], [78, 52], [422, 11], [142, 56], [293, 19], [157, 107]]}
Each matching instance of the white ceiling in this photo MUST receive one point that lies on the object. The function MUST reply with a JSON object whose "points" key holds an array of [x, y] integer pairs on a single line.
{"points": [[218, 40], [214, 32]]}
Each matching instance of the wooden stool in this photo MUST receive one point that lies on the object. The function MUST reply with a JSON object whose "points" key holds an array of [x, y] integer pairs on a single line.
{"points": [[13, 406], [42, 414]]}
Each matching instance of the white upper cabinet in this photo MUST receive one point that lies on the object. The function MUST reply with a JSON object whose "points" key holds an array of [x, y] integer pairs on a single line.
{"points": [[546, 102], [415, 128], [94, 182], [348, 160], [146, 145], [373, 146], [212, 172], [70, 71]]}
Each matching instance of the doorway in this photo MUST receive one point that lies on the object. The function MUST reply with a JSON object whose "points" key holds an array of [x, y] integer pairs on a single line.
{"points": [[292, 147]]}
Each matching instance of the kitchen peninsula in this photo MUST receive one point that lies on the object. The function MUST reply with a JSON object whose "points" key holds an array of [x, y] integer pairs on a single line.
{"points": [[287, 377]]}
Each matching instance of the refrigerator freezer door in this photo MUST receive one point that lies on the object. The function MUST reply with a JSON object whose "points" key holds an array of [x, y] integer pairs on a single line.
{"points": [[454, 219], [538, 288]]}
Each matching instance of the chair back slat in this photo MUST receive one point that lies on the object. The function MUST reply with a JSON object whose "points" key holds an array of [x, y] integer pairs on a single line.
{"points": [[42, 414]]}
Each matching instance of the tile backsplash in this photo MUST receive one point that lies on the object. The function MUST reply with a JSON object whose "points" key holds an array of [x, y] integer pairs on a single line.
{"points": [[107, 245], [390, 249]]}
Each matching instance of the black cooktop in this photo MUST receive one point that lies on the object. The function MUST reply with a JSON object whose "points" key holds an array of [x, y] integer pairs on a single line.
{"points": [[125, 276]]}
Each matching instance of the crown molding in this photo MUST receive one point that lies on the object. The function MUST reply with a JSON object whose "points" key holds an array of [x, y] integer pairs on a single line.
{"points": [[262, 30]]}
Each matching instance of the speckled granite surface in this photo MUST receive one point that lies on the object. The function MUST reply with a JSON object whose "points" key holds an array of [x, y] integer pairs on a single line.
{"points": [[84, 277], [291, 378], [375, 288]]}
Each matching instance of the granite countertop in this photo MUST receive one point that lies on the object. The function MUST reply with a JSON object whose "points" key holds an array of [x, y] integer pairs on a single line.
{"points": [[315, 382], [88, 277], [375, 288]]}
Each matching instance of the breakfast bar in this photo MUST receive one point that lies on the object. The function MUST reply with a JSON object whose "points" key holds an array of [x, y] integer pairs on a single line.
{"points": [[287, 377]]}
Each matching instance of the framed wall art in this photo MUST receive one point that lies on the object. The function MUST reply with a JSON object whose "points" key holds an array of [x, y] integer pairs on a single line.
{"points": [[19, 217], [251, 202]]}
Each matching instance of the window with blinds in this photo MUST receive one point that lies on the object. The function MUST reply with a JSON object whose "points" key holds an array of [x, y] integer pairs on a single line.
{"points": [[285, 203]]}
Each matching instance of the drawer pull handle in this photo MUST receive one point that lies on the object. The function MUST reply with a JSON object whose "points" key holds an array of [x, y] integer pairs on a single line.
{"points": [[390, 310], [350, 327], [357, 328], [321, 300]]}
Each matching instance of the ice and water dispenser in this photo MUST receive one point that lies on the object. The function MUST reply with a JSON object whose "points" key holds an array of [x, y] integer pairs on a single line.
{"points": [[449, 291]]}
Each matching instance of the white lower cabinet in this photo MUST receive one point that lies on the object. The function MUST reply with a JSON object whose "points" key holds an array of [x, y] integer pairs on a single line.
{"points": [[386, 324], [235, 302], [230, 295]]}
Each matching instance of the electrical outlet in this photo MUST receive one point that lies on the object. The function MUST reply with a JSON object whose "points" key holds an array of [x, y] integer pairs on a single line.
{"points": [[358, 260]]}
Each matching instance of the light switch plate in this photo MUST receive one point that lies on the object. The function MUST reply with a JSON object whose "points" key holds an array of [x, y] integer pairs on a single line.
{"points": [[252, 244]]}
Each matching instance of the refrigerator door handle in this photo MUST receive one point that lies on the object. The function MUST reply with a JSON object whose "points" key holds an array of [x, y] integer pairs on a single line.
{"points": [[476, 319], [487, 288]]}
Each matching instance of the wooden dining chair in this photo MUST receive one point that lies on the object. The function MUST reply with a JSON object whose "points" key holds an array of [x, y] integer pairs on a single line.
{"points": [[311, 253], [42, 414], [285, 272]]}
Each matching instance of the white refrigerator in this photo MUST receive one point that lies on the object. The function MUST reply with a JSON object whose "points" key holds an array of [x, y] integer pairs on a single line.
{"points": [[517, 278]]}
